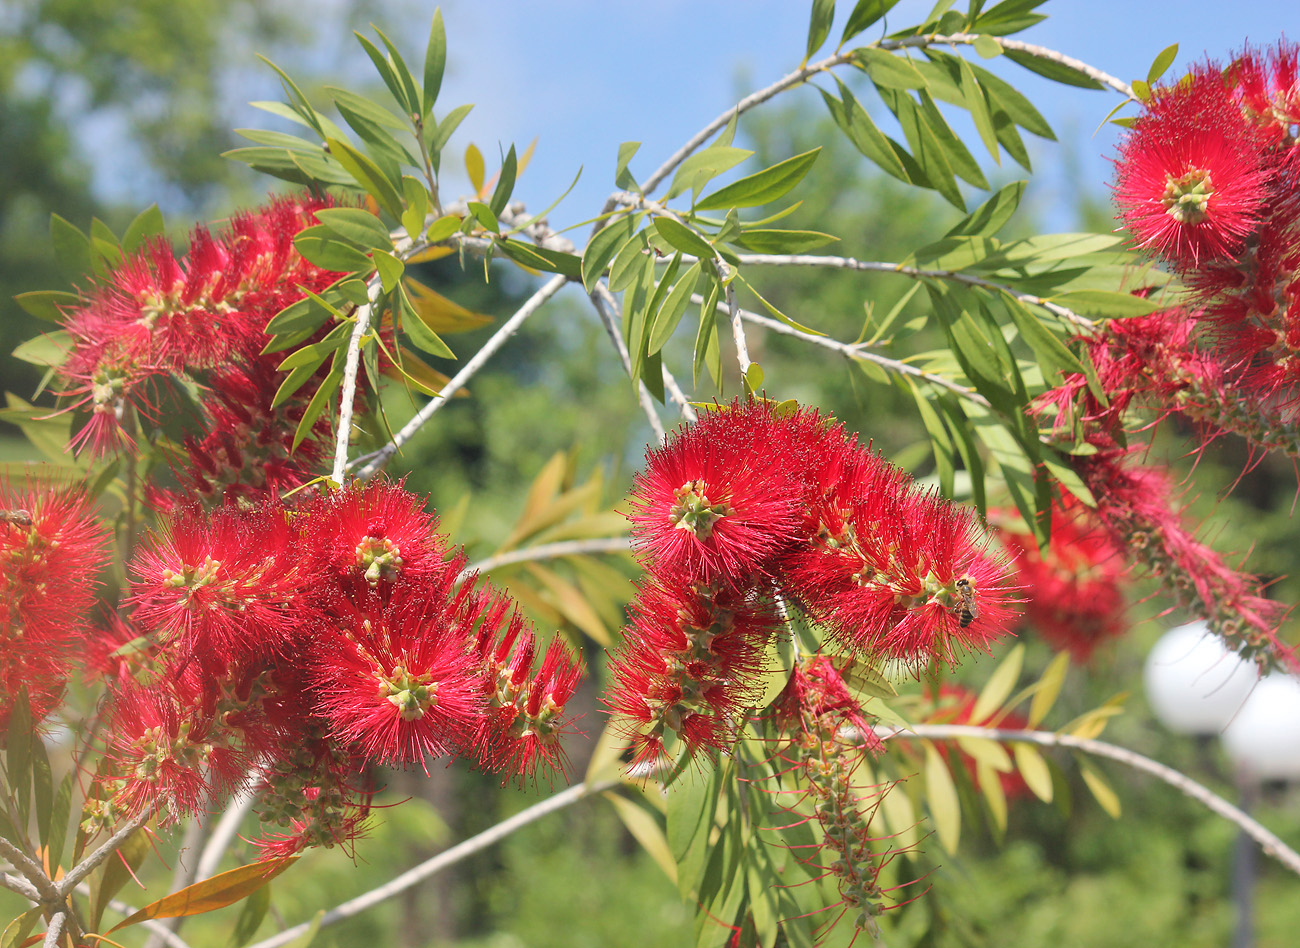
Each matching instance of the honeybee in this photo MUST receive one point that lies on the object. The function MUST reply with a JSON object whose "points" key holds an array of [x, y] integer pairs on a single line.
{"points": [[968, 611], [19, 517]]}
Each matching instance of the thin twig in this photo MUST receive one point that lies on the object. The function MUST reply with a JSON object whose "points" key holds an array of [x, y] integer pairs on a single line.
{"points": [[738, 330], [227, 827], [546, 551], [607, 309], [348, 390], [859, 352], [455, 854], [919, 273], [20, 885], [110, 846], [375, 461], [55, 931], [677, 396], [1268, 841]]}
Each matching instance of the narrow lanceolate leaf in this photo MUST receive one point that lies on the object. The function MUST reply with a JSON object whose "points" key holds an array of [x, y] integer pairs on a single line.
{"points": [[435, 61], [1161, 63], [48, 349], [367, 174], [990, 782], [683, 238], [819, 25], [702, 167], [1100, 788], [604, 247], [988, 218], [941, 795], [16, 932], [978, 106], [646, 830], [999, 685], [357, 226], [1051, 69], [210, 894], [322, 247], [319, 402], [419, 332], [865, 13], [622, 175], [148, 225], [505, 183], [774, 240], [250, 918], [1106, 304], [541, 258], [857, 124], [1049, 688], [49, 305], [1034, 770], [761, 187], [674, 306], [887, 70]]}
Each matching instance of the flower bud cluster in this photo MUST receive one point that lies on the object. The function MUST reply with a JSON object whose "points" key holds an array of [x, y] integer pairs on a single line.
{"points": [[752, 502]]}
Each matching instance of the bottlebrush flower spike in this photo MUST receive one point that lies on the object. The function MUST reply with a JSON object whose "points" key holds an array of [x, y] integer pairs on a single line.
{"points": [[1072, 593], [223, 589], [395, 675], [1190, 181], [51, 548], [722, 498]]}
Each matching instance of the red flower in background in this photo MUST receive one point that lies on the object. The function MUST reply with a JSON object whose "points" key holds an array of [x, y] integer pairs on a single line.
{"points": [[1073, 598]]}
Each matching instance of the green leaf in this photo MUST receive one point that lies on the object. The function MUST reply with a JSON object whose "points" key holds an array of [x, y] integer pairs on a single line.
{"points": [[1100, 789], [707, 350], [485, 216], [987, 47], [55, 832], [372, 113], [1020, 109], [770, 240], [390, 269], [1106, 304], [858, 126], [865, 13], [447, 127], [420, 334], [627, 263], [683, 238], [16, 932], [254, 909], [941, 795], [1034, 770], [774, 311], [978, 106], [1000, 684], [1050, 351], [819, 25], [1051, 69], [645, 830], [927, 150], [939, 440], [505, 183], [541, 258], [47, 349], [320, 401], [357, 226], [622, 176], [443, 228], [1160, 65], [888, 71], [761, 187], [71, 246], [956, 152], [988, 218], [49, 305], [435, 60], [399, 86], [702, 167], [367, 174], [674, 306], [320, 246], [148, 224], [113, 874], [990, 783], [603, 247], [1011, 16]]}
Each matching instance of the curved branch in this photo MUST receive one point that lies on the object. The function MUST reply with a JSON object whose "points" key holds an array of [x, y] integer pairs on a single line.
{"points": [[546, 551], [449, 857], [375, 461], [607, 310], [20, 885], [110, 846], [1268, 841], [858, 352], [919, 273], [45, 890], [348, 389]]}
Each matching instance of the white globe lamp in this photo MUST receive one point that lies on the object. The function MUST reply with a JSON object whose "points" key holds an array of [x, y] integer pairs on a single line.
{"points": [[1194, 684], [1263, 740]]}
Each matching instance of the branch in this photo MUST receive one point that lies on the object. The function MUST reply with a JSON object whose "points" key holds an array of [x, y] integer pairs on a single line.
{"points": [[110, 846], [375, 461], [875, 266], [1268, 841], [444, 859], [607, 309], [227, 827], [348, 390], [20, 885], [857, 351], [676, 396], [546, 551], [1040, 52], [44, 889]]}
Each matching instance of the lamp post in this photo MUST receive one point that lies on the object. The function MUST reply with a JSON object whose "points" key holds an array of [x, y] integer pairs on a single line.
{"points": [[1197, 687]]}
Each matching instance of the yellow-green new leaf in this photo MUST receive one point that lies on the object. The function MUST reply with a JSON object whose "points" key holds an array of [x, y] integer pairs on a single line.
{"points": [[645, 829], [990, 781], [1101, 790], [999, 685], [1049, 688], [941, 796], [1034, 770], [367, 174]]}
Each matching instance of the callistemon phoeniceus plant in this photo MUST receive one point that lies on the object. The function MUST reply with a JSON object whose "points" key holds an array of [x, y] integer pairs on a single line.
{"points": [[310, 644], [753, 512]]}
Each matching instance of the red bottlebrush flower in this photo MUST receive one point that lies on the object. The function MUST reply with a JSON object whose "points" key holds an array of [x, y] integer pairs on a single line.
{"points": [[223, 589], [690, 663], [905, 575], [1268, 87], [1190, 181], [524, 721], [371, 534], [168, 752], [722, 498], [816, 699], [51, 548], [1072, 594], [397, 679]]}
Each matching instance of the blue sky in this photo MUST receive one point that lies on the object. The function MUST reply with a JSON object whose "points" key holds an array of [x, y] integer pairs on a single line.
{"points": [[584, 75]]}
